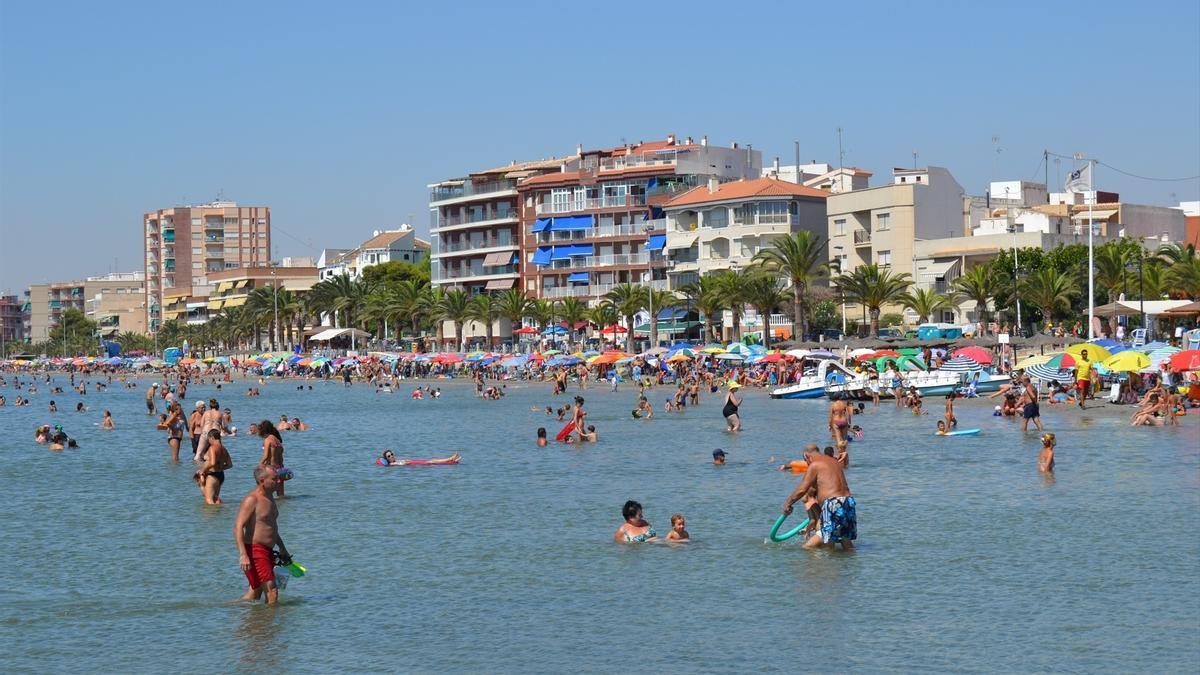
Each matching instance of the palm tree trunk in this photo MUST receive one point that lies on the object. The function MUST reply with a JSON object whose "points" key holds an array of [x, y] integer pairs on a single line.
{"points": [[766, 319], [737, 327], [874, 313], [629, 336], [653, 331], [798, 327]]}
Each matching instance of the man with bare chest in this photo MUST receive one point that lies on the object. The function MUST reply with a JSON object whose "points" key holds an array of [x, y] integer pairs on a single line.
{"points": [[256, 534]]}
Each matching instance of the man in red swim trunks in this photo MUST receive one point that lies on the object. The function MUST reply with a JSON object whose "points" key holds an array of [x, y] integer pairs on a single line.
{"points": [[256, 534]]}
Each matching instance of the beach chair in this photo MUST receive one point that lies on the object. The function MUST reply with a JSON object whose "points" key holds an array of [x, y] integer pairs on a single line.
{"points": [[1138, 338]]}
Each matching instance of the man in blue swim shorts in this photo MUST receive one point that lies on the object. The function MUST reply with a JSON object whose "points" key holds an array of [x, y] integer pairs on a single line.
{"points": [[839, 520]]}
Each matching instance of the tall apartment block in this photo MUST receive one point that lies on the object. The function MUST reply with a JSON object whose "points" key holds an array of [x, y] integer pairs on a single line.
{"points": [[598, 221], [474, 227], [187, 243], [109, 300], [12, 318]]}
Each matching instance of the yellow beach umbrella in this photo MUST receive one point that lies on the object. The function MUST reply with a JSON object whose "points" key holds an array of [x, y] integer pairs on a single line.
{"points": [[713, 350], [1095, 352], [1035, 360], [1128, 361]]}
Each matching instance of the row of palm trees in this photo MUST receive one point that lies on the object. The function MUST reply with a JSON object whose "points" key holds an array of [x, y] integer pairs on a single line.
{"points": [[791, 274]]}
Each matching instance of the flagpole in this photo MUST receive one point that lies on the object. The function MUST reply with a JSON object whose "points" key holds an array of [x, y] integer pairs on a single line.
{"points": [[1091, 258]]}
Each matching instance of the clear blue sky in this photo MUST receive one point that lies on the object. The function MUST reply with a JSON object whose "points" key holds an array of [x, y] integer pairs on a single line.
{"points": [[336, 115]]}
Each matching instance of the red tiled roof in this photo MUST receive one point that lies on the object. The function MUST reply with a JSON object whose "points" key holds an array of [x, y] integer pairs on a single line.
{"points": [[745, 189], [551, 178]]}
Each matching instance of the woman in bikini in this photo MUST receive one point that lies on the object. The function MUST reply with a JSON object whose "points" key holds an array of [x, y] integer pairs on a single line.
{"points": [[635, 529]]}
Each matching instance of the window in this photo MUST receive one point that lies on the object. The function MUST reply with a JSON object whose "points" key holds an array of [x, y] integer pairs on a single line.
{"points": [[718, 217], [262, 221], [195, 250], [772, 213], [196, 265], [883, 220], [245, 221], [560, 200], [885, 258], [195, 221], [918, 179], [262, 235], [839, 226], [197, 234], [843, 262]]}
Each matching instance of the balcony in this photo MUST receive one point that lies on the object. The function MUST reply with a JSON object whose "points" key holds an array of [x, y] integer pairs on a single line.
{"points": [[635, 161], [214, 239], [453, 221], [626, 230], [862, 238], [593, 290], [576, 205], [474, 245], [476, 272], [470, 189], [612, 260]]}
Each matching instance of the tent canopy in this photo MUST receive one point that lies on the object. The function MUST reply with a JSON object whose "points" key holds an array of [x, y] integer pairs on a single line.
{"points": [[326, 335], [1153, 307]]}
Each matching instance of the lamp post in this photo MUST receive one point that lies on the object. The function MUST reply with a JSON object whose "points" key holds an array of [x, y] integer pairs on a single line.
{"points": [[842, 293], [650, 326], [1012, 227], [275, 301]]}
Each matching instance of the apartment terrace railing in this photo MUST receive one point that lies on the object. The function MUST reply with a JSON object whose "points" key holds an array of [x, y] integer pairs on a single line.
{"points": [[625, 230], [450, 221], [634, 161], [468, 245], [862, 237], [575, 205], [470, 189]]}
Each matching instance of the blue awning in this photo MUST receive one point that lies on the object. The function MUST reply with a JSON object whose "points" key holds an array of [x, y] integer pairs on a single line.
{"points": [[541, 224], [541, 256], [561, 252], [578, 277], [568, 223], [657, 242], [583, 249]]}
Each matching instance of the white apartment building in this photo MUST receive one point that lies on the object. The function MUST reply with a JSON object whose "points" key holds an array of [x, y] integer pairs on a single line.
{"points": [[721, 226], [383, 246]]}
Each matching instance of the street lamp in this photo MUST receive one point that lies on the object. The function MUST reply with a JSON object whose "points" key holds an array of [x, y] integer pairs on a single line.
{"points": [[841, 292], [1012, 227], [275, 300], [650, 332]]}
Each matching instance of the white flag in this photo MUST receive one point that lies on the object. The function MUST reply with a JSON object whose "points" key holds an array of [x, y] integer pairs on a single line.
{"points": [[1080, 180]]}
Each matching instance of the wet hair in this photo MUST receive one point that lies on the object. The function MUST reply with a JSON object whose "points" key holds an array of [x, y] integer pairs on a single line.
{"points": [[829, 451], [591, 428], [1049, 439], [675, 518], [541, 432], [214, 433], [212, 403], [266, 428], [812, 448], [630, 509], [262, 471]]}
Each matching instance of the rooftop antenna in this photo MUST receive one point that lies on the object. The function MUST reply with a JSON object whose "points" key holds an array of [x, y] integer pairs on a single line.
{"points": [[996, 159], [841, 153], [914, 154]]}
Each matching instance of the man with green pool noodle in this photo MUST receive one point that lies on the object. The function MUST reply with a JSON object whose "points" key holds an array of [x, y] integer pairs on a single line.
{"points": [[839, 521]]}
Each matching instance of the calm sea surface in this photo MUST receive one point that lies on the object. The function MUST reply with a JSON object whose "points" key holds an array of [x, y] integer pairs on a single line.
{"points": [[967, 560]]}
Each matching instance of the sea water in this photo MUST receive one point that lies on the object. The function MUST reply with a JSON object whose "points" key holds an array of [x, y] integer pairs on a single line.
{"points": [[968, 559]]}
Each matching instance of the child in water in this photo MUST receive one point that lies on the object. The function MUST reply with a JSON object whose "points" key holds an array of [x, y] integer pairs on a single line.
{"points": [[678, 531], [541, 437], [941, 428]]}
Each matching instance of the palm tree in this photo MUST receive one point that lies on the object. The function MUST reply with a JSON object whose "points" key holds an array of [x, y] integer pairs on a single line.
{"points": [[603, 315], [455, 308], [290, 306], [1184, 278], [432, 303], [1109, 270], [979, 284], [764, 294], [513, 305], [485, 308], [131, 341], [407, 303], [799, 259], [704, 295], [260, 306], [656, 301], [1174, 253], [1050, 291], [873, 288], [627, 299], [926, 302], [571, 311], [731, 285]]}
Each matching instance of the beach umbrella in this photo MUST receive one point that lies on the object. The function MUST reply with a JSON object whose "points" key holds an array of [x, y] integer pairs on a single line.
{"points": [[729, 356], [798, 353], [773, 357], [1153, 346], [713, 350], [448, 357], [738, 348], [1032, 361], [1096, 352], [525, 330], [1107, 343], [1128, 361], [551, 352], [555, 330], [1042, 372], [656, 351], [679, 357], [1186, 360], [686, 351], [614, 330], [1060, 361], [897, 354], [976, 354], [821, 354], [961, 364], [861, 351], [1120, 348]]}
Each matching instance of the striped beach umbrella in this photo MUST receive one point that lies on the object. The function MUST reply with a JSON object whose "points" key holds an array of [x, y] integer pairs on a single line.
{"points": [[961, 364], [1041, 371]]}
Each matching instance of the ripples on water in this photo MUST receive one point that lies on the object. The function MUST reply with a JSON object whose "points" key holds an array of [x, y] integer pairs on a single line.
{"points": [[968, 559]]}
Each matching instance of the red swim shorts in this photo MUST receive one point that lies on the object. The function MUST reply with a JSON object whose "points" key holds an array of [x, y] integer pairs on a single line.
{"points": [[262, 568]]}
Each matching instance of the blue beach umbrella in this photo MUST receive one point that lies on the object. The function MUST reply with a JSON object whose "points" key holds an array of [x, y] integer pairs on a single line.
{"points": [[1045, 373], [961, 364]]}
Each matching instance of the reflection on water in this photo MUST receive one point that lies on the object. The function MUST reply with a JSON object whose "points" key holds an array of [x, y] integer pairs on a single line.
{"points": [[506, 562]]}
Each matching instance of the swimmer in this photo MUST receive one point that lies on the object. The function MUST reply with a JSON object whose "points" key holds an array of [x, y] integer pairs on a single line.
{"points": [[150, 409], [951, 420], [843, 453], [107, 422], [837, 507], [256, 535], [272, 456], [42, 434], [678, 528], [53, 407], [644, 409], [635, 529], [79, 407], [591, 436], [211, 476], [733, 420], [389, 459], [941, 428], [297, 425], [541, 437], [283, 424], [1046, 458], [718, 457]]}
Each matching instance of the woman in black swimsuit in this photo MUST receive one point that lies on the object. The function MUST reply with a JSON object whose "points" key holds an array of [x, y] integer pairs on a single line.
{"points": [[730, 411]]}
